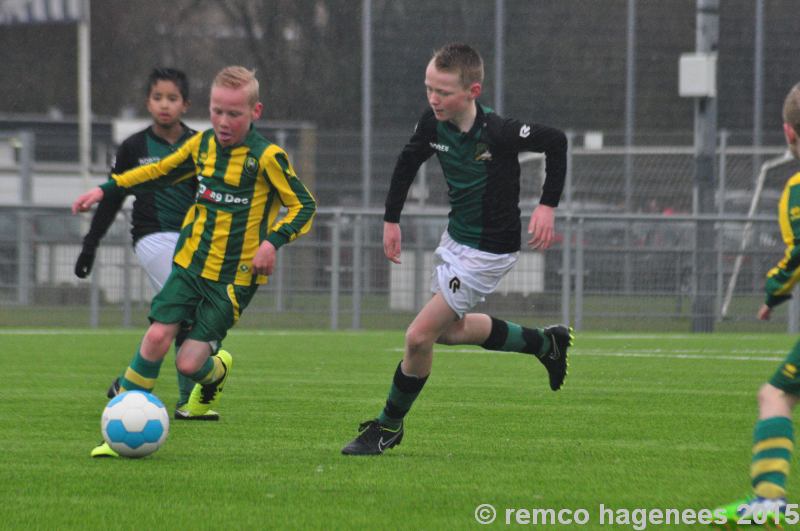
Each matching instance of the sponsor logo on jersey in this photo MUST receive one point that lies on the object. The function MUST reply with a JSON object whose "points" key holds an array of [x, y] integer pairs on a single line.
{"points": [[147, 160], [220, 198], [525, 131], [440, 147]]}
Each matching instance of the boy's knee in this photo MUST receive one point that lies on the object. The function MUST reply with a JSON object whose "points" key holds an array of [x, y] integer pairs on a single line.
{"points": [[417, 339], [186, 366], [160, 334]]}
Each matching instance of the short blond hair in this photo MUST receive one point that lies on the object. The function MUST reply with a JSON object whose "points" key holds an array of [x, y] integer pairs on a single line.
{"points": [[237, 77], [461, 59], [791, 108]]}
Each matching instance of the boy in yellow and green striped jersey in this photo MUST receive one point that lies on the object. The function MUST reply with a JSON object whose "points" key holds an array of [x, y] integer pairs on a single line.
{"points": [[773, 436], [228, 241]]}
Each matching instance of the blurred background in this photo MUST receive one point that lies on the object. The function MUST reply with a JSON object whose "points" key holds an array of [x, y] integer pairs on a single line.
{"points": [[646, 240]]}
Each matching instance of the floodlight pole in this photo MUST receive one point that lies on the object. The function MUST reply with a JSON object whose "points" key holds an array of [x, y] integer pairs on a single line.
{"points": [[630, 119], [84, 93], [499, 55], [705, 135]]}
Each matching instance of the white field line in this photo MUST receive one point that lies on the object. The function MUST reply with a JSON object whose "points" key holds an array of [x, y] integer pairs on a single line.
{"points": [[141, 331], [665, 337], [690, 354], [728, 355]]}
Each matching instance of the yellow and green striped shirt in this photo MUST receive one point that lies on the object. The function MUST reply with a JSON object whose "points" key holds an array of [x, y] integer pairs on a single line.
{"points": [[241, 189], [782, 278]]}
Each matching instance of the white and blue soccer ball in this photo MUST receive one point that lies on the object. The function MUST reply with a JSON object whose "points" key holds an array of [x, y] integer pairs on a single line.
{"points": [[135, 423]]}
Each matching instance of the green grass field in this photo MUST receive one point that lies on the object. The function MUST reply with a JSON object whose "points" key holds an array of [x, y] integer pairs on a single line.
{"points": [[645, 421]]}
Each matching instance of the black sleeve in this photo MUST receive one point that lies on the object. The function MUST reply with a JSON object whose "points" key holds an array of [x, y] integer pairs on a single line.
{"points": [[112, 201], [542, 139], [416, 151]]}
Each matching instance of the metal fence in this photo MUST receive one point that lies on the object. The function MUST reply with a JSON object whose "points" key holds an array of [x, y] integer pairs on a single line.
{"points": [[337, 276], [625, 256]]}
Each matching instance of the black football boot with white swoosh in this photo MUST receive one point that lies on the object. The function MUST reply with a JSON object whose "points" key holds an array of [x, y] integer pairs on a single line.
{"points": [[555, 359], [373, 438]]}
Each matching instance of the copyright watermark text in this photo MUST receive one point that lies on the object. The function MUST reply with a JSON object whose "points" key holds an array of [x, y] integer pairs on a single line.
{"points": [[638, 518]]}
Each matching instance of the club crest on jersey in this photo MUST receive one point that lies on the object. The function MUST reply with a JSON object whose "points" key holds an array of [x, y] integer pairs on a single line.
{"points": [[243, 268], [482, 152], [250, 164], [440, 147], [202, 158]]}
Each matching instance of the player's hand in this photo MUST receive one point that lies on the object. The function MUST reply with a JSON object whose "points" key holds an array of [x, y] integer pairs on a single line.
{"points": [[764, 313], [391, 241], [83, 266], [541, 226], [264, 260], [85, 201]]}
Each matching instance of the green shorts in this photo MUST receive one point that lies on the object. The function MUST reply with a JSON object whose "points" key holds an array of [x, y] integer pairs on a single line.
{"points": [[786, 378], [210, 308]]}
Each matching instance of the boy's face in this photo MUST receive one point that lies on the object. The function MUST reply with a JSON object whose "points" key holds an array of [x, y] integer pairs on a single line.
{"points": [[232, 114], [448, 98], [165, 103]]}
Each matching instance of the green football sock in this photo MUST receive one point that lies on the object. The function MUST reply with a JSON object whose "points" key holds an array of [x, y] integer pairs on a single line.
{"points": [[402, 394], [506, 336], [211, 371], [773, 443], [140, 375]]}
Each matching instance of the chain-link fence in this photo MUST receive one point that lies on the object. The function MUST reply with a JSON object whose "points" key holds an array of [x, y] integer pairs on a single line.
{"points": [[337, 277], [609, 269], [343, 84]]}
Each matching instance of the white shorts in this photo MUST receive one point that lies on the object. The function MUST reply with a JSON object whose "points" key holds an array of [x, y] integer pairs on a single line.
{"points": [[155, 252], [465, 276]]}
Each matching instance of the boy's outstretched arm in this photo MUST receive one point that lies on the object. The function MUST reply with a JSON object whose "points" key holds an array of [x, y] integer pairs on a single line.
{"points": [[86, 200]]}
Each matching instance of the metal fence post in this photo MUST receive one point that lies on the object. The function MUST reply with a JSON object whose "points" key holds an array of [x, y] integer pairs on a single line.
{"points": [[127, 284], [336, 244], [277, 280], [94, 292], [579, 271], [419, 264], [567, 241], [357, 277], [723, 147], [24, 229], [565, 271]]}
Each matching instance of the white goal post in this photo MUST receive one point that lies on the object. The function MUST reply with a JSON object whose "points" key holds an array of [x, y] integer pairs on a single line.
{"points": [[748, 227]]}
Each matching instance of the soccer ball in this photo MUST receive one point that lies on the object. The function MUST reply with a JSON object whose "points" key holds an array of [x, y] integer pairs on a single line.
{"points": [[135, 423]]}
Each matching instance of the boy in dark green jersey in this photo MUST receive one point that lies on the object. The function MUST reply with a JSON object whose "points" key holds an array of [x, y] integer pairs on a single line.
{"points": [[228, 241], [773, 435], [157, 214], [478, 152]]}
